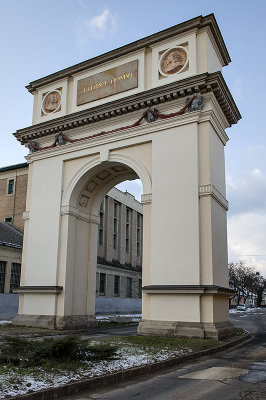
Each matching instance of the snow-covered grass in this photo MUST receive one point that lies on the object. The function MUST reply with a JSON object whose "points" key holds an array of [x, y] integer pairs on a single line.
{"points": [[4, 322], [248, 310], [132, 352], [119, 317]]}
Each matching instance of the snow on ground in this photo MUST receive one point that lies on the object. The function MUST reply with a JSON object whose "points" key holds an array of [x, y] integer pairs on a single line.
{"points": [[13, 383], [119, 317], [234, 310], [4, 322]]}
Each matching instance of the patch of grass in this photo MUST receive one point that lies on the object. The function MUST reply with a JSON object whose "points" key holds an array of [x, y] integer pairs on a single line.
{"points": [[158, 343], [113, 324], [240, 332], [22, 330], [66, 350]]}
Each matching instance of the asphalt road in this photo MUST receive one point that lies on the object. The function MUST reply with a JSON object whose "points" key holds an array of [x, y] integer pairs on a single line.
{"points": [[236, 374]]}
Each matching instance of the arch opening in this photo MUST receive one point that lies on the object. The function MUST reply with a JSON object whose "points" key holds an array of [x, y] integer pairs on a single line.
{"points": [[104, 259]]}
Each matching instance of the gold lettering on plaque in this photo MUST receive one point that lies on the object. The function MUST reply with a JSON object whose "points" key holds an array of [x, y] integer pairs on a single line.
{"points": [[107, 83]]}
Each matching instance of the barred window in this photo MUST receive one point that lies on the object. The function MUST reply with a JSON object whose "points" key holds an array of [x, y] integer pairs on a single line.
{"points": [[15, 276], [117, 286], [129, 287], [10, 186], [138, 234], [101, 225], [102, 285], [115, 233], [2, 275], [128, 220], [140, 288]]}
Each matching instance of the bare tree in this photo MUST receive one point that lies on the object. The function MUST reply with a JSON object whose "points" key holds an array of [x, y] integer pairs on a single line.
{"points": [[244, 280]]}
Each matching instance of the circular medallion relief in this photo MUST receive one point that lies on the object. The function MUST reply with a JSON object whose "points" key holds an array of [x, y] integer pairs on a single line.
{"points": [[173, 61], [51, 102]]}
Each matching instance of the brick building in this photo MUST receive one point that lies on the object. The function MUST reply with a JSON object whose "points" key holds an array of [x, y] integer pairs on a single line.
{"points": [[13, 191], [118, 280]]}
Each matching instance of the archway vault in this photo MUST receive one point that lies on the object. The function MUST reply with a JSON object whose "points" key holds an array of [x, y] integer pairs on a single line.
{"points": [[96, 174]]}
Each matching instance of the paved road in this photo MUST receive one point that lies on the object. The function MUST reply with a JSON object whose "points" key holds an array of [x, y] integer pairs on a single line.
{"points": [[236, 374]]}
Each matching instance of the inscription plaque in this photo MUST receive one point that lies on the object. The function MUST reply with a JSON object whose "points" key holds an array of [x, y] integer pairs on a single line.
{"points": [[107, 83]]}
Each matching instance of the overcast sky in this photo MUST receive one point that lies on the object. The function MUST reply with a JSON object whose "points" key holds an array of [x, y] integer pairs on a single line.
{"points": [[41, 37]]}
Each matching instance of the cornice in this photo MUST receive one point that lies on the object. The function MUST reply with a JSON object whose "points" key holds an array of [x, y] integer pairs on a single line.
{"points": [[202, 83], [192, 24], [70, 210], [188, 289], [210, 190], [39, 289]]}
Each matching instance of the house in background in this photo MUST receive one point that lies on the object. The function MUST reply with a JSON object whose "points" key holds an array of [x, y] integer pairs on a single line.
{"points": [[118, 279], [11, 240]]}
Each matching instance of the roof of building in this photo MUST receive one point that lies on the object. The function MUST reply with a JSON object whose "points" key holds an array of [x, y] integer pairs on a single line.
{"points": [[12, 167], [126, 198], [10, 236]]}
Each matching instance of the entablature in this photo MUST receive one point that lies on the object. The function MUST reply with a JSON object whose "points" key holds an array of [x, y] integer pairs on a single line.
{"points": [[201, 84]]}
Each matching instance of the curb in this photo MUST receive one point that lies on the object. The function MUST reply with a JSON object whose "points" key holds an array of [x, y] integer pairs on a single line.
{"points": [[91, 383]]}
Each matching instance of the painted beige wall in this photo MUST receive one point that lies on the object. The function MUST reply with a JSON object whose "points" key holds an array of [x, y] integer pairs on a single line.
{"points": [[172, 307], [175, 205], [43, 227]]}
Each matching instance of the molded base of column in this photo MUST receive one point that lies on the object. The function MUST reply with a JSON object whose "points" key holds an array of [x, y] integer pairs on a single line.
{"points": [[216, 331], [171, 329], [69, 322]]}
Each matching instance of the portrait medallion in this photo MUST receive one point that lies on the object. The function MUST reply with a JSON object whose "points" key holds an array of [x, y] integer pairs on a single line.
{"points": [[173, 61], [51, 102]]}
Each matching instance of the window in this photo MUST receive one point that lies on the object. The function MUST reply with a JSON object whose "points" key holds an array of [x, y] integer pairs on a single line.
{"points": [[116, 209], [101, 224], [140, 288], [10, 186], [138, 234], [129, 287], [102, 284], [2, 275], [8, 220], [117, 286], [15, 275], [128, 219]]}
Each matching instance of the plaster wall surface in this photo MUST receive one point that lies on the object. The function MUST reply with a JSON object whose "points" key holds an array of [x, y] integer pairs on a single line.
{"points": [[175, 186], [45, 304], [43, 230], [219, 244], [171, 307], [217, 164]]}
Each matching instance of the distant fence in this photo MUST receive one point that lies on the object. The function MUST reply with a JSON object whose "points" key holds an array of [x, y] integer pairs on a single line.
{"points": [[104, 305], [8, 306]]}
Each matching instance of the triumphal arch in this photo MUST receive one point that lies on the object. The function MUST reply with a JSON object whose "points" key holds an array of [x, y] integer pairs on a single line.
{"points": [[155, 109]]}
